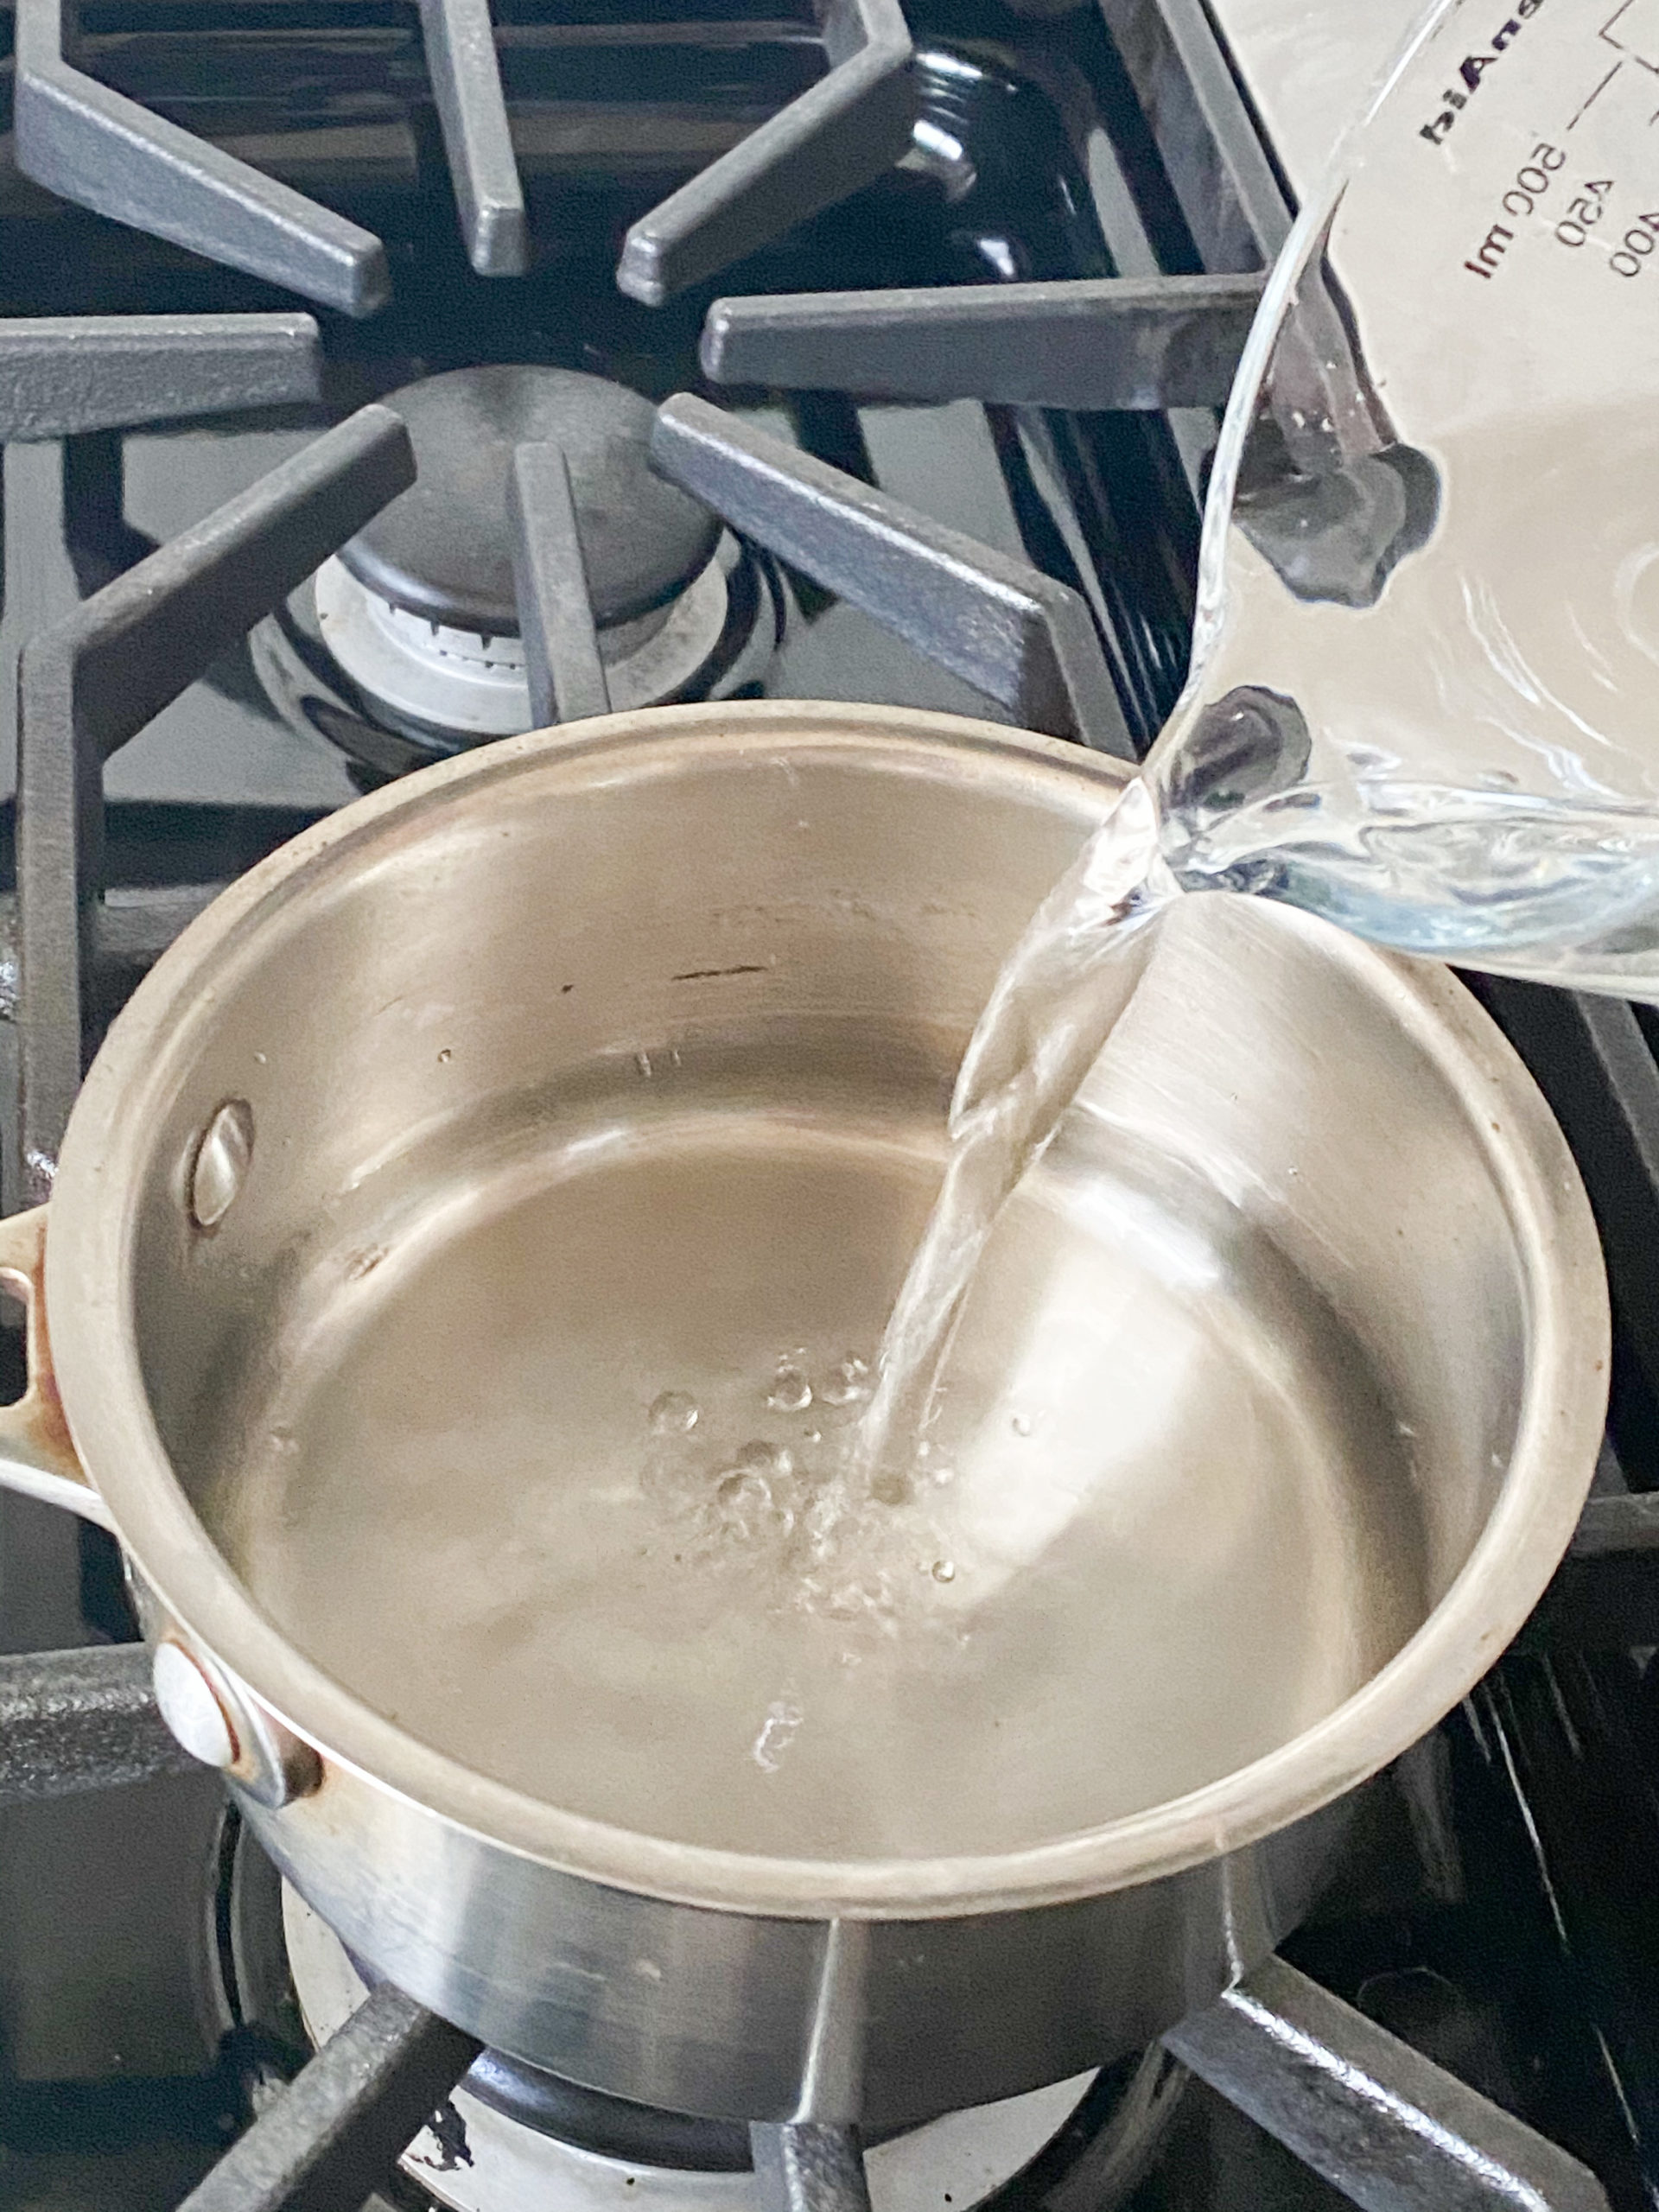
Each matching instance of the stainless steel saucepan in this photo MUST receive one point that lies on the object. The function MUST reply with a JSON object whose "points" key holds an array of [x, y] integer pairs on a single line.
{"points": [[461, 1274]]}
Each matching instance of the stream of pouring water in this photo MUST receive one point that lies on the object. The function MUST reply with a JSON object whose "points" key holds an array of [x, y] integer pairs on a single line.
{"points": [[1522, 884], [1050, 1013], [1464, 769]]}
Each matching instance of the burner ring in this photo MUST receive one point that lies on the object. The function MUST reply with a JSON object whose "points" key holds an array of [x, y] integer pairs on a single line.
{"points": [[415, 669], [310, 692]]}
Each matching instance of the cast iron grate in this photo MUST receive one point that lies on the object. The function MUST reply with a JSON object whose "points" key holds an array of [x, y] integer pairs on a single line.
{"points": [[95, 146], [1139, 340]]}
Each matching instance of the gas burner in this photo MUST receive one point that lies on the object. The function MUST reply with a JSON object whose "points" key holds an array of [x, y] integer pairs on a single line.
{"points": [[404, 646], [441, 551], [510, 2136]]}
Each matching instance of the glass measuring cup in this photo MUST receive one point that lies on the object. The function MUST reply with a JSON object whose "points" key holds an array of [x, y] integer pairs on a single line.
{"points": [[1424, 699]]}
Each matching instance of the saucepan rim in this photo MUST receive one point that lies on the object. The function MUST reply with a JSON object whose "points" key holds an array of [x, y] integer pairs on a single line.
{"points": [[90, 1294]]}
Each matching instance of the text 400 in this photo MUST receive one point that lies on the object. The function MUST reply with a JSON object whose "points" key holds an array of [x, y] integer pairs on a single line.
{"points": [[1633, 249]]}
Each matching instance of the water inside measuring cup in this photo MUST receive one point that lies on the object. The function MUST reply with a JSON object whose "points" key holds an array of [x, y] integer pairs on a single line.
{"points": [[1421, 696], [1467, 768]]}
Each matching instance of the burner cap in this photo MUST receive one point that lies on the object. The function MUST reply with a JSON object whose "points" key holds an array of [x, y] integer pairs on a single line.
{"points": [[442, 549]]}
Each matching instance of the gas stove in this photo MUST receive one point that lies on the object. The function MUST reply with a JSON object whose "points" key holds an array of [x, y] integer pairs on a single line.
{"points": [[336, 341]]}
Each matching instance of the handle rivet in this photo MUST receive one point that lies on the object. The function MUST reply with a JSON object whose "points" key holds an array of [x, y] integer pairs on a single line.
{"points": [[191, 1708], [221, 1164]]}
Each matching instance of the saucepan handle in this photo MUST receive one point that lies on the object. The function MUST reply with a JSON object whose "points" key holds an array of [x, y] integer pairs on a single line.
{"points": [[37, 1455]]}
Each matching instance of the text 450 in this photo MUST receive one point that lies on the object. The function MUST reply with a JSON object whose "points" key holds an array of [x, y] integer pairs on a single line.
{"points": [[1587, 210]]}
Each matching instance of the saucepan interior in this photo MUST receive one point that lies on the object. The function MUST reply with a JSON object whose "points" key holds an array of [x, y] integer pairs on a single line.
{"points": [[587, 1100]]}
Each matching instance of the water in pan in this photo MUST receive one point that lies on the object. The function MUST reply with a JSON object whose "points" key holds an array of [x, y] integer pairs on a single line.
{"points": [[555, 1497]]}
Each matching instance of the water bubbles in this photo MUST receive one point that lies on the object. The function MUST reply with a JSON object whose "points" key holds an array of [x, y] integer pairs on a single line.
{"points": [[764, 1459], [754, 1498], [791, 1392], [784, 1716], [673, 1413], [745, 1504], [779, 1517], [944, 1570], [847, 1383], [1021, 1424]]}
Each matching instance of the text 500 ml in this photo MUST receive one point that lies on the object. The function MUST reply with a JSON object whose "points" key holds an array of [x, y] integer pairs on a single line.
{"points": [[1531, 183]]}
